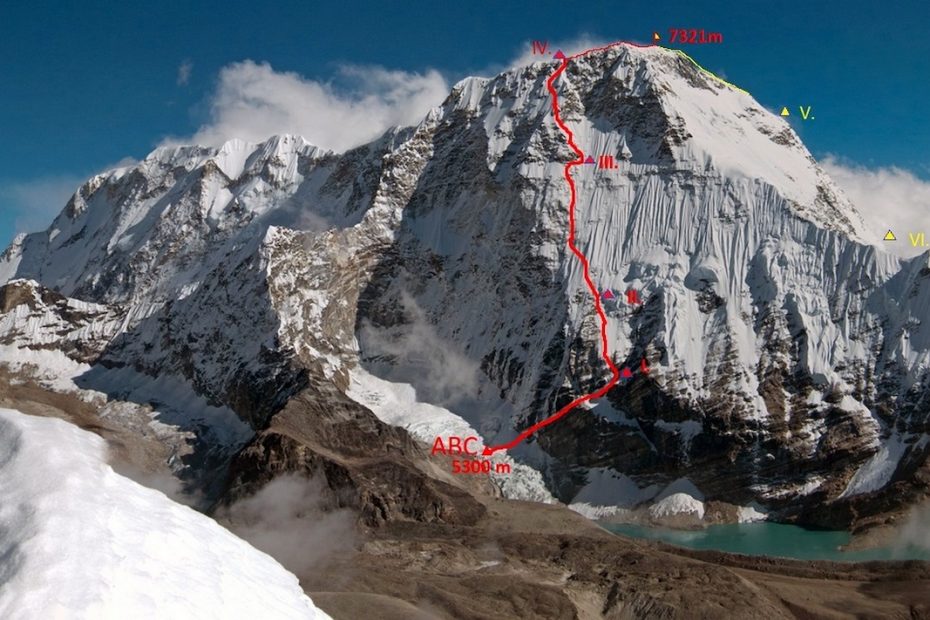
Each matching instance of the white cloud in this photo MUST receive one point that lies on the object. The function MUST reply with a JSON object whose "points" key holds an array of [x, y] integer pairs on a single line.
{"points": [[184, 72], [252, 101], [441, 374], [887, 198], [34, 203], [292, 519]]}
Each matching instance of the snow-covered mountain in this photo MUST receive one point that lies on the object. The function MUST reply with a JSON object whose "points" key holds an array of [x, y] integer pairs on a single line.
{"points": [[789, 360], [80, 541]]}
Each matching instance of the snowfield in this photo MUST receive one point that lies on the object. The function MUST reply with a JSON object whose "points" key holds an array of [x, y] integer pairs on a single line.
{"points": [[397, 404], [78, 540]]}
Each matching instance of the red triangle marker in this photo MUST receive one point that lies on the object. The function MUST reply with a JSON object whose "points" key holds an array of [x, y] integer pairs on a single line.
{"points": [[589, 160], [559, 55], [626, 374]]}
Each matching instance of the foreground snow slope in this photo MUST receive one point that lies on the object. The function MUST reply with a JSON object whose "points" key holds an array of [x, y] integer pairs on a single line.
{"points": [[787, 356], [80, 541]]}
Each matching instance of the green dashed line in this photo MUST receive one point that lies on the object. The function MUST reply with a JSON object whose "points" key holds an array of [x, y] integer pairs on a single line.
{"points": [[711, 74]]}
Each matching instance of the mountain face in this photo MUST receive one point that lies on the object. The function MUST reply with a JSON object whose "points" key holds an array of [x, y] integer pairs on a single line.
{"points": [[789, 363]]}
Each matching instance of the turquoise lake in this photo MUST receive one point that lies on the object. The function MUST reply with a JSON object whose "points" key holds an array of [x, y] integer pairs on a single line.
{"points": [[770, 539]]}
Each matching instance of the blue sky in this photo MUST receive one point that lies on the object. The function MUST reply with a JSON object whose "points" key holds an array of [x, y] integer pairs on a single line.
{"points": [[89, 84]]}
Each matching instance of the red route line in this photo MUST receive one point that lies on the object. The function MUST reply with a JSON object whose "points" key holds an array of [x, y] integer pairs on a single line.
{"points": [[586, 267]]}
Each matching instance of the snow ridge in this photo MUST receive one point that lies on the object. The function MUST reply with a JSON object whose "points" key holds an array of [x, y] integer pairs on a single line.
{"points": [[80, 541]]}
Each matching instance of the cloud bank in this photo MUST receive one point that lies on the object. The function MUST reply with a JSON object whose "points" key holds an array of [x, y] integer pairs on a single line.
{"points": [[252, 101], [291, 520], [887, 198]]}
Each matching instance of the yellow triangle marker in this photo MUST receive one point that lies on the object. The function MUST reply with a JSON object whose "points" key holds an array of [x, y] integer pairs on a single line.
{"points": [[785, 112], [889, 236], [655, 37]]}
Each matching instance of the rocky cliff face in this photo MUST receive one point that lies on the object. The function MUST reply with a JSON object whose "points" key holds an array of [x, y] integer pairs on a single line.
{"points": [[789, 362]]}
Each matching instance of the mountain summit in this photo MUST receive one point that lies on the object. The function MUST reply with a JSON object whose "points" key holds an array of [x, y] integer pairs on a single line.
{"points": [[789, 363]]}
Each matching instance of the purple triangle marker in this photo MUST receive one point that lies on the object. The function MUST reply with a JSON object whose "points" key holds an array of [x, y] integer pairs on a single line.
{"points": [[589, 160]]}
